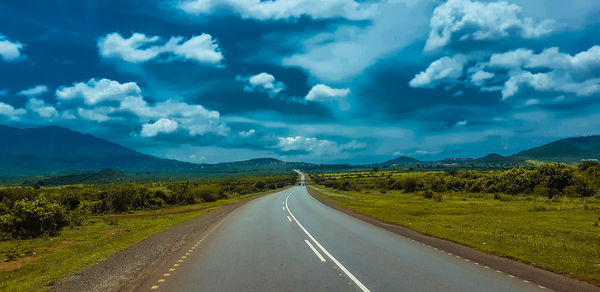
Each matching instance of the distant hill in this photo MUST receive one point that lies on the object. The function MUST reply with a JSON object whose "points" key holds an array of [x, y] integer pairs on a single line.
{"points": [[497, 159], [565, 150], [48, 150], [100, 177], [65, 155], [402, 160]]}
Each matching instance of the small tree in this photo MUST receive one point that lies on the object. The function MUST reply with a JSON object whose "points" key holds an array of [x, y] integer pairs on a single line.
{"points": [[31, 218]]}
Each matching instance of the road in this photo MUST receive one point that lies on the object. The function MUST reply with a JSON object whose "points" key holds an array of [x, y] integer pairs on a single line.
{"points": [[288, 241]]}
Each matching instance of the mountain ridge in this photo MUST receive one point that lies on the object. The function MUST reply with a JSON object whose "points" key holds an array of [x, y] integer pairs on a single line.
{"points": [[53, 150]]}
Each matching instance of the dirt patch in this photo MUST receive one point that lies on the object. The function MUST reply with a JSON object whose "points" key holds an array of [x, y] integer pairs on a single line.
{"points": [[59, 246], [521, 270], [16, 264]]}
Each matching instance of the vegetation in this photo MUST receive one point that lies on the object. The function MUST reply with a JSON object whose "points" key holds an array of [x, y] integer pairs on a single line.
{"points": [[34, 211], [545, 180], [48, 232], [548, 216]]}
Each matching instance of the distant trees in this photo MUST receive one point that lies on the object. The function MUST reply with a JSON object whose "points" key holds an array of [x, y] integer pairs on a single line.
{"points": [[547, 180], [29, 212]]}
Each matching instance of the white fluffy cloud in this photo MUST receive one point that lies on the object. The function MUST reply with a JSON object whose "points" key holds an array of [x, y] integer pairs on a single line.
{"points": [[315, 146], [473, 20], [247, 133], [140, 48], [163, 125], [575, 74], [263, 82], [34, 91], [96, 91], [322, 92], [480, 76], [10, 50], [442, 70], [283, 9], [10, 111], [102, 100], [43, 109]]}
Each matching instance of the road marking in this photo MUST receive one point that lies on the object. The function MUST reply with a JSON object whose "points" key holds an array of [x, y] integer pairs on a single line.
{"points": [[541, 287], [283, 208], [155, 287], [176, 265], [331, 257], [171, 270], [161, 280], [180, 261], [314, 250], [166, 274], [525, 281], [289, 218], [511, 276]]}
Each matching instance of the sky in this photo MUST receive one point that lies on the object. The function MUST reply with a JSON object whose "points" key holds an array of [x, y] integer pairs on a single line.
{"points": [[320, 81]]}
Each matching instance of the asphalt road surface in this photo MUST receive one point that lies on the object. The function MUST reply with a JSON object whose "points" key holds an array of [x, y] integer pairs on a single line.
{"points": [[289, 241]]}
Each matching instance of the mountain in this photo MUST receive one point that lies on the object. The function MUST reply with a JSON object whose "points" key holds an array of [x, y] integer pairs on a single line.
{"points": [[91, 177], [49, 150], [402, 160], [68, 155], [497, 159], [567, 150]]}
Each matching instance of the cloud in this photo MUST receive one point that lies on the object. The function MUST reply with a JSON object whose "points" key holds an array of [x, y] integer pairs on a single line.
{"points": [[442, 70], [102, 100], [41, 108], [247, 133], [163, 125], [282, 9], [462, 123], [549, 71], [462, 20], [10, 50], [322, 92], [96, 91], [350, 49], [34, 91], [263, 82], [10, 111], [140, 48], [315, 146], [480, 76]]}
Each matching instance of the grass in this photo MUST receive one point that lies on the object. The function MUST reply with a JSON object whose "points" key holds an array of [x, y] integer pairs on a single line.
{"points": [[46, 260], [561, 235]]}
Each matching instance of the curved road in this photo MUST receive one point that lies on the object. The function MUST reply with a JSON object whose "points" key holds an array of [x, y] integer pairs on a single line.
{"points": [[289, 241]]}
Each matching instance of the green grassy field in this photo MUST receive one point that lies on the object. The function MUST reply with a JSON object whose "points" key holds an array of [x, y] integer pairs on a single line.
{"points": [[560, 234], [38, 262]]}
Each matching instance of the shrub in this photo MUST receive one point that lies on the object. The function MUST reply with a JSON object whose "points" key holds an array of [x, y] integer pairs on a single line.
{"points": [[30, 218]]}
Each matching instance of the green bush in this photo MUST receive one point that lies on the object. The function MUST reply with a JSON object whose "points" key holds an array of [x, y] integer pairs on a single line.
{"points": [[31, 218]]}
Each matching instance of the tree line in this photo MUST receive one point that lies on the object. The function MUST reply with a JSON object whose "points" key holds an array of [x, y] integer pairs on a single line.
{"points": [[546, 180], [27, 212]]}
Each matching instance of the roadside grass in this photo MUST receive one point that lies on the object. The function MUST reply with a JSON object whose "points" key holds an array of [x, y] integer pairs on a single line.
{"points": [[46, 259], [561, 235]]}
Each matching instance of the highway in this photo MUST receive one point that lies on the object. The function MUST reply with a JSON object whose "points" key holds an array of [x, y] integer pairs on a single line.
{"points": [[288, 241]]}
